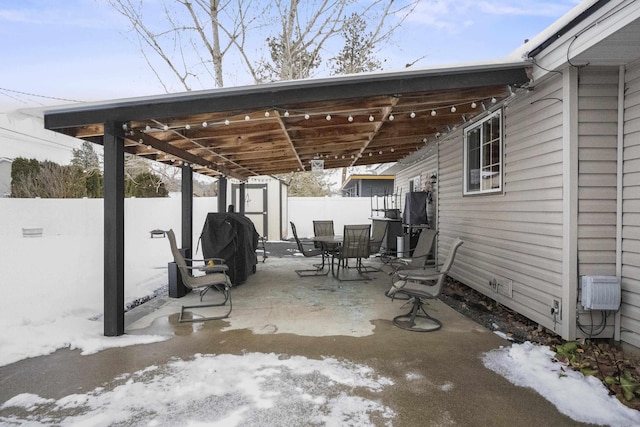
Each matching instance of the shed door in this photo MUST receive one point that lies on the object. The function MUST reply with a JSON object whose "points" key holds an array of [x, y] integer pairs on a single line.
{"points": [[255, 205]]}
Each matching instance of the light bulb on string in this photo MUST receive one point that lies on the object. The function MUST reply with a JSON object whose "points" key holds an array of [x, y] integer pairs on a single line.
{"points": [[247, 118], [433, 113], [205, 124], [328, 117], [147, 128], [226, 122], [391, 117], [380, 152], [306, 117], [453, 109], [473, 104], [350, 118], [371, 118], [187, 126], [393, 149], [412, 115], [286, 113], [494, 100], [267, 114], [165, 127]]}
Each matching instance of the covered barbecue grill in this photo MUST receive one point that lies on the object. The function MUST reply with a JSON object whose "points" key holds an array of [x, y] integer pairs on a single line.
{"points": [[234, 238]]}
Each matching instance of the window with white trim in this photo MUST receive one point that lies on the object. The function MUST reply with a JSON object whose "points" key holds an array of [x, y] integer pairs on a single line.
{"points": [[483, 155], [414, 183]]}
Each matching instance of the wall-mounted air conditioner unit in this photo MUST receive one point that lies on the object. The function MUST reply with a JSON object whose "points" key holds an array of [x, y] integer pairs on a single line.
{"points": [[600, 293]]}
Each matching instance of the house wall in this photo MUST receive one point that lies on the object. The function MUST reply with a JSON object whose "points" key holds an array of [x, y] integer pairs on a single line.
{"points": [[597, 185], [514, 237], [630, 278], [5, 177]]}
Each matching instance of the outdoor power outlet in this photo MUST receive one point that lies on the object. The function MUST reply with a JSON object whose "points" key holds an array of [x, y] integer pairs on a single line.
{"points": [[556, 309]]}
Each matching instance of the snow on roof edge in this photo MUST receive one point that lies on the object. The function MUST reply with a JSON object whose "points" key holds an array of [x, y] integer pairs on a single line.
{"points": [[522, 52]]}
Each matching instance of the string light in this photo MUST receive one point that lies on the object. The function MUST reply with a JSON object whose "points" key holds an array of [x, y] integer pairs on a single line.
{"points": [[187, 126], [306, 117], [453, 109], [266, 114], [328, 117], [474, 105], [147, 128], [433, 113], [494, 100], [391, 117], [286, 113], [247, 118], [350, 118], [205, 124], [412, 115], [226, 122], [371, 118], [165, 127]]}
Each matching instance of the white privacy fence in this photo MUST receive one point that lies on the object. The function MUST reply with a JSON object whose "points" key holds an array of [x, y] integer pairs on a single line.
{"points": [[64, 237]]}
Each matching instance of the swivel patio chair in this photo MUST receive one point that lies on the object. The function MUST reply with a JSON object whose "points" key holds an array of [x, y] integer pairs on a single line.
{"points": [[214, 277], [355, 245], [419, 286], [311, 252]]}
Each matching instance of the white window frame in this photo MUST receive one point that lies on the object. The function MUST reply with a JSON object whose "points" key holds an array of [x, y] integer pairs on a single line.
{"points": [[496, 175], [415, 183]]}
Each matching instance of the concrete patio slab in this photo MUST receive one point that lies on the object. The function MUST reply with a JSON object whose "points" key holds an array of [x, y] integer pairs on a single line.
{"points": [[438, 377]]}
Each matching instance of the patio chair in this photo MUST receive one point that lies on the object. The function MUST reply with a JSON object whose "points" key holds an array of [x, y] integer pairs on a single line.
{"points": [[324, 228], [421, 256], [311, 252], [355, 245], [421, 285], [214, 277], [378, 231]]}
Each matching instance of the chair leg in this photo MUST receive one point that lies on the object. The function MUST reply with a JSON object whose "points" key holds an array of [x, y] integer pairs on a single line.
{"points": [[318, 271], [227, 298], [358, 267], [425, 323]]}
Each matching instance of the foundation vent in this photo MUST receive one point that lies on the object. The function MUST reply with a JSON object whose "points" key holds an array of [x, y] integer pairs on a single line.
{"points": [[601, 293]]}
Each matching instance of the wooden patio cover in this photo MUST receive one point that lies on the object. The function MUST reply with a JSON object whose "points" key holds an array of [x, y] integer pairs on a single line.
{"points": [[281, 127]]}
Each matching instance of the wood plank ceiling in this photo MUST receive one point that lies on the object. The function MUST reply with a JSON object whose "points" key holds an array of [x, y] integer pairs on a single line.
{"points": [[266, 137]]}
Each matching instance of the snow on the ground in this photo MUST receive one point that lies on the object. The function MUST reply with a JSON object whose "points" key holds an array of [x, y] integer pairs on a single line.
{"points": [[223, 390]]}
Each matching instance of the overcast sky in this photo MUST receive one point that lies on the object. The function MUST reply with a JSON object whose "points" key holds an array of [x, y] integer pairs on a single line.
{"points": [[82, 49]]}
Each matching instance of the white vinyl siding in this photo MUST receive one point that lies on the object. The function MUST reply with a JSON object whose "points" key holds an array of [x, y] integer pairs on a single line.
{"points": [[597, 175], [630, 310], [515, 236]]}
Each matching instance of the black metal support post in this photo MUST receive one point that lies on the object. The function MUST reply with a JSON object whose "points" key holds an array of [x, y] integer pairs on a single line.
{"points": [[113, 229], [242, 197], [187, 210], [222, 193]]}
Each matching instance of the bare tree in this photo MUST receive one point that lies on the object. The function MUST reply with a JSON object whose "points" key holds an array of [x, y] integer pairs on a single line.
{"points": [[195, 38]]}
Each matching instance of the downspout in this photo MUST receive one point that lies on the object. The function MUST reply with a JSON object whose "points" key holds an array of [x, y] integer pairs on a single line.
{"points": [[619, 199]]}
